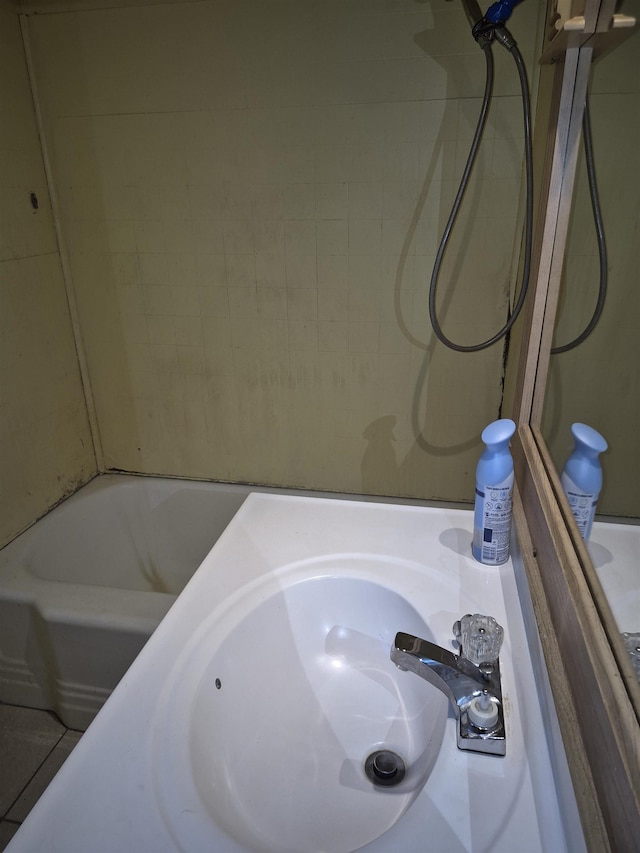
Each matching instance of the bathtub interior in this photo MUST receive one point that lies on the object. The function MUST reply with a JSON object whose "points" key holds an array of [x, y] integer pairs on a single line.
{"points": [[83, 589], [132, 533]]}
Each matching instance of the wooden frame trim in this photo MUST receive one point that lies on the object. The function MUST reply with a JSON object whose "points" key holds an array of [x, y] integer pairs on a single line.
{"points": [[583, 558], [561, 157], [597, 719], [584, 786], [596, 694]]}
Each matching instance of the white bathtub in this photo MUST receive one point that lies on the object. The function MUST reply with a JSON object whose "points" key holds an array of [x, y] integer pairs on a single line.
{"points": [[615, 551], [82, 590]]}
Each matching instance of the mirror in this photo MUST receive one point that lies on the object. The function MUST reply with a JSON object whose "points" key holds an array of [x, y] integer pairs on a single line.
{"points": [[598, 382], [594, 686]]}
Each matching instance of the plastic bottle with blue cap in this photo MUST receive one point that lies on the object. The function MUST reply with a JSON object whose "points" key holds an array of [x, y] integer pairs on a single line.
{"points": [[494, 495], [582, 476]]}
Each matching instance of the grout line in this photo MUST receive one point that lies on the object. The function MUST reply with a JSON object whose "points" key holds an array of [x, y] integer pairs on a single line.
{"points": [[36, 255], [32, 777], [283, 108]]}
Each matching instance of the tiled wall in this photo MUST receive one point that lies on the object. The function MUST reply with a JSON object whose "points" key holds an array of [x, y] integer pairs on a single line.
{"points": [[241, 184], [45, 446], [599, 382]]}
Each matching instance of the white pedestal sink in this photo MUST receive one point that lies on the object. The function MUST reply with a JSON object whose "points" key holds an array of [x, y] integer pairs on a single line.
{"points": [[246, 721]]}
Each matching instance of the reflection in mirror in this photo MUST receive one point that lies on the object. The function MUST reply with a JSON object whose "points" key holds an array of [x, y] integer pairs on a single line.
{"points": [[598, 383]]}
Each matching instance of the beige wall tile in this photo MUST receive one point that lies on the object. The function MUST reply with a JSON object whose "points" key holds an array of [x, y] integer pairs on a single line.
{"points": [[46, 446], [239, 186]]}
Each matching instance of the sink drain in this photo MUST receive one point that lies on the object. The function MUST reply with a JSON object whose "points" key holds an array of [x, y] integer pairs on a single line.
{"points": [[384, 767]]}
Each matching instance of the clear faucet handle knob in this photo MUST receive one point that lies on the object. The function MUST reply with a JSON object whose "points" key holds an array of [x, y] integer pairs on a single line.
{"points": [[480, 638], [632, 645]]}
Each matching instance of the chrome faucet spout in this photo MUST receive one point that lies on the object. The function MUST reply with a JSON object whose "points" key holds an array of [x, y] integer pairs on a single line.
{"points": [[474, 690], [454, 675]]}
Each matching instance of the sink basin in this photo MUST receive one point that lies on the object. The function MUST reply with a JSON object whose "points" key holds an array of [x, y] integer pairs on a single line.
{"points": [[275, 705]]}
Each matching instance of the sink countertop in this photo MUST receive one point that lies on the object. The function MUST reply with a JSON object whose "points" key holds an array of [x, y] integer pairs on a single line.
{"points": [[615, 551], [105, 798]]}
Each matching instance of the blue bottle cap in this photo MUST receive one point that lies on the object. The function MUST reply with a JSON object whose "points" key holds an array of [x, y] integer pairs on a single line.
{"points": [[589, 437], [498, 432]]}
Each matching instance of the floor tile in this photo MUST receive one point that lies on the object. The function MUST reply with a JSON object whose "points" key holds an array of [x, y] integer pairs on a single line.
{"points": [[7, 831], [27, 736], [36, 787]]}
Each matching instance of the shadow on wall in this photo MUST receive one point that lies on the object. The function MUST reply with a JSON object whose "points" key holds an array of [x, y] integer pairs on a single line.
{"points": [[382, 474], [381, 471]]}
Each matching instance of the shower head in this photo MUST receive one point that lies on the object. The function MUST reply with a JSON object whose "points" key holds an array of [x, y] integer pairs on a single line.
{"points": [[489, 26], [500, 12], [497, 14]]}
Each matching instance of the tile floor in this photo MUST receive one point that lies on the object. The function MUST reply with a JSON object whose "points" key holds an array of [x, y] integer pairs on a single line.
{"points": [[33, 747]]}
